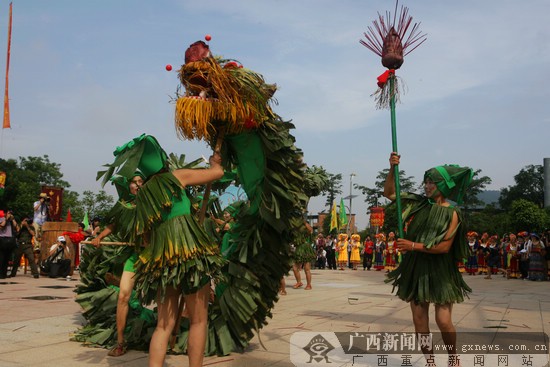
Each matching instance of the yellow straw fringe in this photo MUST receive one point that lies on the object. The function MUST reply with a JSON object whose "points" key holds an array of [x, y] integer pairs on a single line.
{"points": [[241, 96], [194, 117]]}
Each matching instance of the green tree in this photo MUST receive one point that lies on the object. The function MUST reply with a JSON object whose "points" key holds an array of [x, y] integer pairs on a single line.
{"points": [[478, 184], [491, 220], [373, 195], [526, 215], [96, 205], [529, 186], [47, 173], [24, 178], [71, 202], [316, 181], [333, 188]]}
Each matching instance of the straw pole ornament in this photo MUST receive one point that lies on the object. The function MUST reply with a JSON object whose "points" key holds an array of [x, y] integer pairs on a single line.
{"points": [[392, 40]]}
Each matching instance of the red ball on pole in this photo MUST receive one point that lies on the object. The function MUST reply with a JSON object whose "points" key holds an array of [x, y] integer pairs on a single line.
{"points": [[168, 67]]}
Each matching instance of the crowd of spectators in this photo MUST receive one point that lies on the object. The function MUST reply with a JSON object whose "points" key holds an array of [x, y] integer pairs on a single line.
{"points": [[23, 240], [522, 255]]}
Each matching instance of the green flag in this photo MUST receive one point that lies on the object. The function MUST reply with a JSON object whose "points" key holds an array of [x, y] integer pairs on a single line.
{"points": [[86, 221], [343, 216]]}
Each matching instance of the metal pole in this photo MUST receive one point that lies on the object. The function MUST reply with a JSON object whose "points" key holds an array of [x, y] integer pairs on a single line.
{"points": [[546, 184], [394, 148], [350, 228]]}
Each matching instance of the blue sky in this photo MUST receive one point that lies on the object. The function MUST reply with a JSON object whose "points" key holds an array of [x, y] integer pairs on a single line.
{"points": [[87, 76]]}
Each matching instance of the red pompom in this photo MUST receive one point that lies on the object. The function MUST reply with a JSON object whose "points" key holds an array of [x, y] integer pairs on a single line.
{"points": [[168, 67], [231, 65], [208, 37]]}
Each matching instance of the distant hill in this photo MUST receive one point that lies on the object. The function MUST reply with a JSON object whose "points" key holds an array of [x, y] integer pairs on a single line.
{"points": [[489, 196]]}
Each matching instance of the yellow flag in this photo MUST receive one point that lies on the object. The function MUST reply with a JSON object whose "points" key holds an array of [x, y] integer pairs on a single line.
{"points": [[333, 218]]}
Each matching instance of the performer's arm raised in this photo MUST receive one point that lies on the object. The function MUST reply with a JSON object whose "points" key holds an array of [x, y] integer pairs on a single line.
{"points": [[189, 177]]}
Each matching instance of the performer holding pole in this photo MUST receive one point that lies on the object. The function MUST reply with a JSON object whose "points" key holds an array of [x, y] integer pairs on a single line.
{"points": [[434, 241]]}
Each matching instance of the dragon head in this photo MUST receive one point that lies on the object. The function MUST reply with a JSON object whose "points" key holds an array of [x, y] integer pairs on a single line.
{"points": [[219, 93]]}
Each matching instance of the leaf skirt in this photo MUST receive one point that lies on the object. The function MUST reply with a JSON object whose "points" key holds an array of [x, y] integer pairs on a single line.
{"points": [[179, 254], [428, 278]]}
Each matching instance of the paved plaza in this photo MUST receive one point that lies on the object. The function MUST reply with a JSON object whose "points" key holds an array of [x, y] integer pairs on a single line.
{"points": [[36, 331]]}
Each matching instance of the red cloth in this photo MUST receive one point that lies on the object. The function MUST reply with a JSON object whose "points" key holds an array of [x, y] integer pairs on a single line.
{"points": [[383, 78]]}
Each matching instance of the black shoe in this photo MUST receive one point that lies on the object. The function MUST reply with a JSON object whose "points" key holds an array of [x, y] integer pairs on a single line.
{"points": [[36, 276]]}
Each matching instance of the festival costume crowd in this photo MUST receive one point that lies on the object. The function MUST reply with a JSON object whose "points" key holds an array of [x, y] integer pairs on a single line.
{"points": [[514, 256]]}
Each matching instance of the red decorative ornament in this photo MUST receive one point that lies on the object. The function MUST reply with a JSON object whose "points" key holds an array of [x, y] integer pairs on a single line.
{"points": [[208, 37], [250, 123], [383, 78], [168, 67], [232, 65], [377, 216]]}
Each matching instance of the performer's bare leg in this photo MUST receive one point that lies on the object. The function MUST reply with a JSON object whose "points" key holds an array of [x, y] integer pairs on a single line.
{"points": [[197, 304], [168, 312], [421, 321], [126, 286], [282, 288], [307, 270], [444, 320], [297, 275]]}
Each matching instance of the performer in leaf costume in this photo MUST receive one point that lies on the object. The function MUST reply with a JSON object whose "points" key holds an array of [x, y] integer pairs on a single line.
{"points": [[303, 256], [434, 240], [179, 257], [223, 98], [106, 290]]}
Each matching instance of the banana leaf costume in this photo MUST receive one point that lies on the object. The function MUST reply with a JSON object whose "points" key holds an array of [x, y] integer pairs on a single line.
{"points": [[304, 253], [221, 95], [98, 297], [434, 278], [269, 169], [177, 251]]}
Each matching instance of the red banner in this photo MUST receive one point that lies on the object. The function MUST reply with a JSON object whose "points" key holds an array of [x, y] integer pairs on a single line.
{"points": [[377, 216], [55, 195], [6, 124]]}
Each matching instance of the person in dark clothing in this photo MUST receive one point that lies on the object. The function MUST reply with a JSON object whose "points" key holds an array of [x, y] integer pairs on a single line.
{"points": [[524, 254], [331, 255], [60, 259], [492, 256], [25, 247], [8, 230]]}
